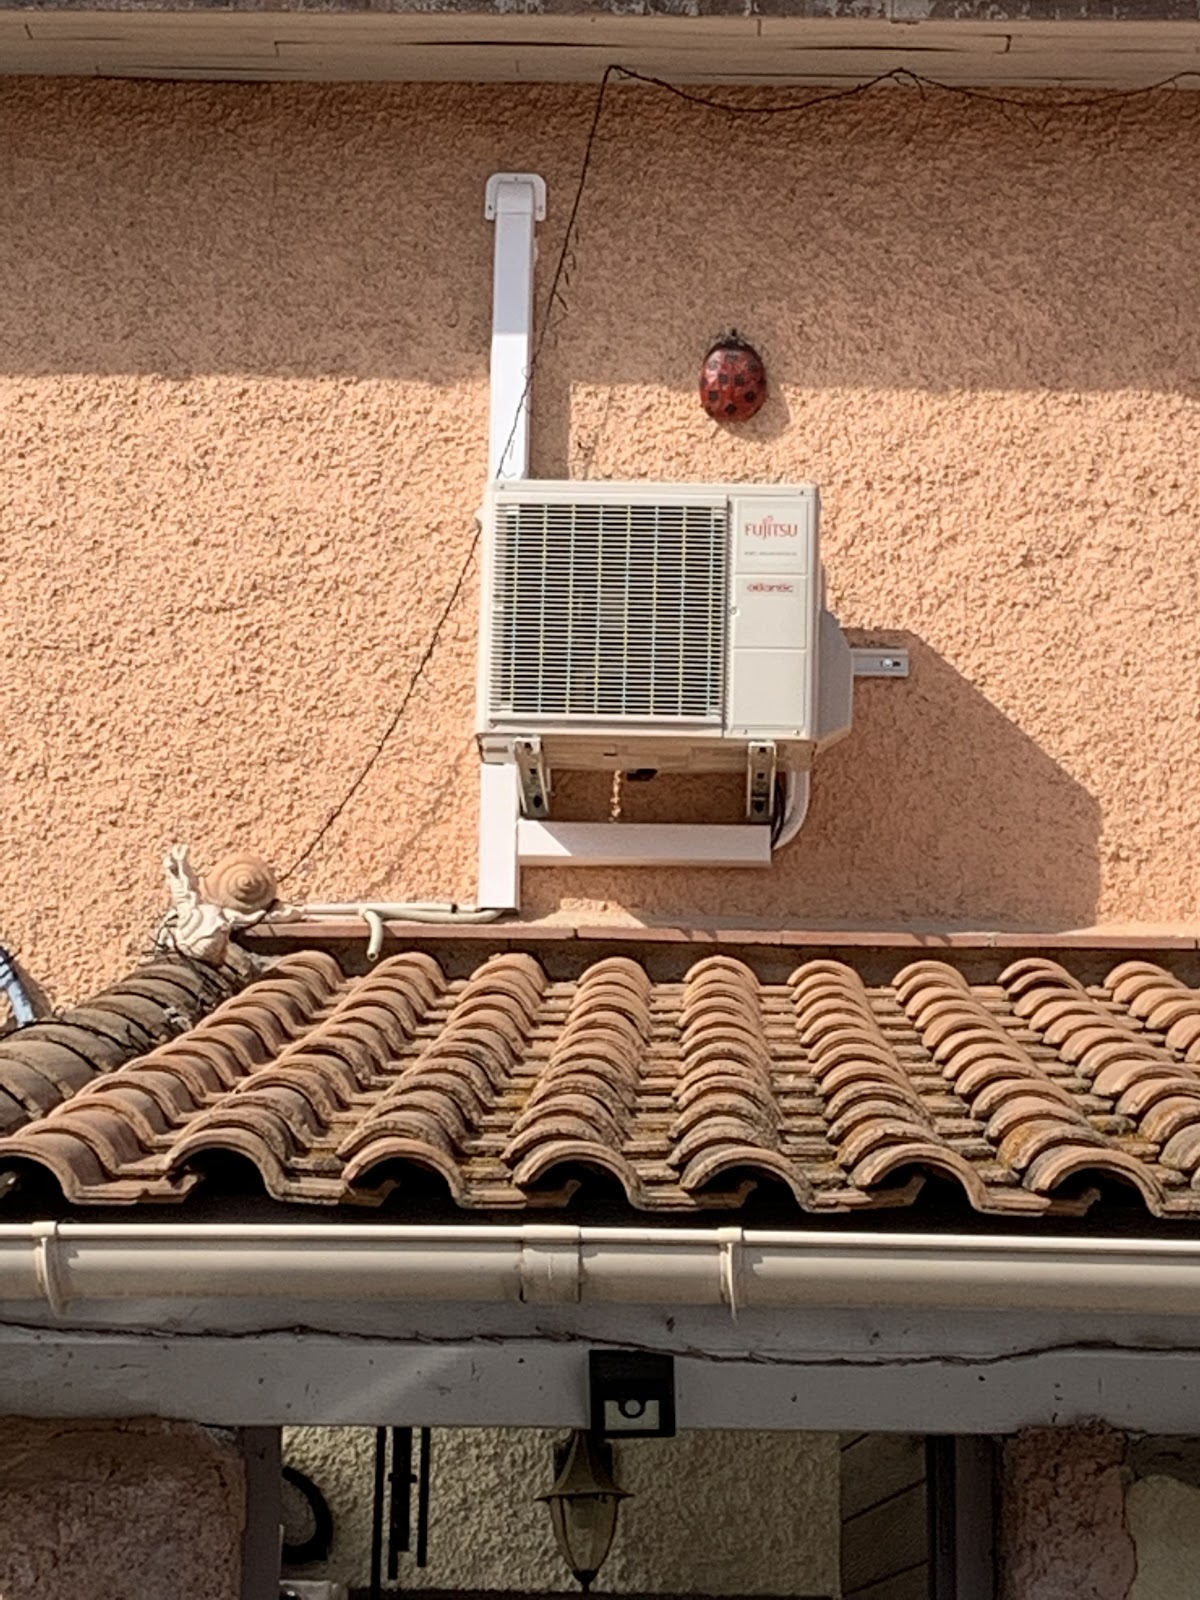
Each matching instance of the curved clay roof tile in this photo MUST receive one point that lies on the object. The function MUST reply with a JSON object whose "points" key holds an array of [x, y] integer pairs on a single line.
{"points": [[720, 1161], [920, 974], [541, 1161], [1129, 978], [1048, 1172], [823, 970]]}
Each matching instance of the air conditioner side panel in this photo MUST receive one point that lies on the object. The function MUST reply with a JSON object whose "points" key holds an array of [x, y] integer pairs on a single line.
{"points": [[774, 604], [487, 615]]}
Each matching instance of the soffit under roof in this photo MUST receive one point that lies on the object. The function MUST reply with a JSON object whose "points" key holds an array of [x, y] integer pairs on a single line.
{"points": [[1032, 45]]}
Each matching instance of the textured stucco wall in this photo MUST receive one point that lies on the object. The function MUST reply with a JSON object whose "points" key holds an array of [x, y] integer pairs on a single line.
{"points": [[1164, 1520], [243, 396], [1063, 1532], [1067, 1532], [127, 1511], [713, 1513]]}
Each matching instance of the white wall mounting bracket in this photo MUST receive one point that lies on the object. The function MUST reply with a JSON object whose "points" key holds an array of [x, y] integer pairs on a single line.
{"points": [[533, 776], [642, 844], [760, 781]]}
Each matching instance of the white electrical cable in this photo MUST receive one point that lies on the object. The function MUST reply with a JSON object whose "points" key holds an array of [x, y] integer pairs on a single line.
{"points": [[376, 912]]}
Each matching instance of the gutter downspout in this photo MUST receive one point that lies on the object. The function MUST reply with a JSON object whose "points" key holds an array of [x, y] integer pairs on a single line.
{"points": [[69, 1264]]}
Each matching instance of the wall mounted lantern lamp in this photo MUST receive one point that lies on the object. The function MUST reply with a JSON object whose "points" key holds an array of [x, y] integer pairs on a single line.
{"points": [[631, 1394], [584, 1502]]}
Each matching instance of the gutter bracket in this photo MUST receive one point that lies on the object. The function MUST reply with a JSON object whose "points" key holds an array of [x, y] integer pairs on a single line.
{"points": [[47, 1265], [729, 1242], [551, 1268]]}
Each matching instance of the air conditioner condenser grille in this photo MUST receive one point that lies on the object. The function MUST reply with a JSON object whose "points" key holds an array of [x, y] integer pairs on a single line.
{"points": [[611, 611]]}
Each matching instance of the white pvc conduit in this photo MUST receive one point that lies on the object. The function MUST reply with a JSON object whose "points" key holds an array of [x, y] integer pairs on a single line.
{"points": [[516, 203], [376, 912], [797, 792], [68, 1264]]}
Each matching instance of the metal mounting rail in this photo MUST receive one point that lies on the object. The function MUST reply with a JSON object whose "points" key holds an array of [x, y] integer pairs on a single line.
{"points": [[871, 661]]}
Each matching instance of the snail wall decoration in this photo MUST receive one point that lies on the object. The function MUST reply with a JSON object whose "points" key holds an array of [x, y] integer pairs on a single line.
{"points": [[242, 882], [237, 893]]}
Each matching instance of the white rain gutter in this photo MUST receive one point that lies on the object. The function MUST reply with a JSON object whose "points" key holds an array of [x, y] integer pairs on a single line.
{"points": [[71, 1264]]}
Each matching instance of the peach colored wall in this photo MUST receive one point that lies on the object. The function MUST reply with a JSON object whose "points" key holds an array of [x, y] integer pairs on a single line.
{"points": [[243, 397]]}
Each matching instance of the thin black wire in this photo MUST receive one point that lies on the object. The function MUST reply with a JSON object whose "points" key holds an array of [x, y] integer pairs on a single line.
{"points": [[564, 255], [734, 109], [426, 656], [898, 75], [901, 75], [397, 716]]}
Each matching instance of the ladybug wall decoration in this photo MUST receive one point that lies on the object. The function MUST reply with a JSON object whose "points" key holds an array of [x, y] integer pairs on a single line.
{"points": [[733, 380]]}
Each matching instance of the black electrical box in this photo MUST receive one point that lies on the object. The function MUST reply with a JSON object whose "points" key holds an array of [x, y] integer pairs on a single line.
{"points": [[632, 1394]]}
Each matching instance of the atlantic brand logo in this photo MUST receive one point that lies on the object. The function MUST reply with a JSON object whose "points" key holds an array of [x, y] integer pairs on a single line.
{"points": [[765, 587], [771, 528]]}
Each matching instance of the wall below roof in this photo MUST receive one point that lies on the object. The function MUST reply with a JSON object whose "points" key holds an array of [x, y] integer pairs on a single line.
{"points": [[1164, 1522], [1062, 1523], [138, 1510], [712, 1513], [244, 387], [1089, 1511]]}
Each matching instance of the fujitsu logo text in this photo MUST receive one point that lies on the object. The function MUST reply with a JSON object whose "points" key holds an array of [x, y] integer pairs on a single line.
{"points": [[771, 528]]}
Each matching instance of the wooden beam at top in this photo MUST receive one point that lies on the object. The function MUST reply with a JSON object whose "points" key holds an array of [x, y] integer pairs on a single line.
{"points": [[461, 41]]}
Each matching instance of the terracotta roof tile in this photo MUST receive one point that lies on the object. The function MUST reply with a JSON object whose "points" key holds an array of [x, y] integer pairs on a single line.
{"points": [[685, 1090], [46, 1063]]}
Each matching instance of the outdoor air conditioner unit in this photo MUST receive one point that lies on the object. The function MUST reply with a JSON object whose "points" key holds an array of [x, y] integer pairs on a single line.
{"points": [[662, 627]]}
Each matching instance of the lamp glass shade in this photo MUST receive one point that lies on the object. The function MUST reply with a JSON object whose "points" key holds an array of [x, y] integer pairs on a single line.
{"points": [[583, 1503]]}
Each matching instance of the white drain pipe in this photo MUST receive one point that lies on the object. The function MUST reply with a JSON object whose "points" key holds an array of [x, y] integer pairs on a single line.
{"points": [[68, 1265], [797, 792]]}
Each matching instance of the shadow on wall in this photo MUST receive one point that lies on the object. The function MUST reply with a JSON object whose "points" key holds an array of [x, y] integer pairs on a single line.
{"points": [[258, 317], [939, 804], [308, 230], [937, 810]]}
